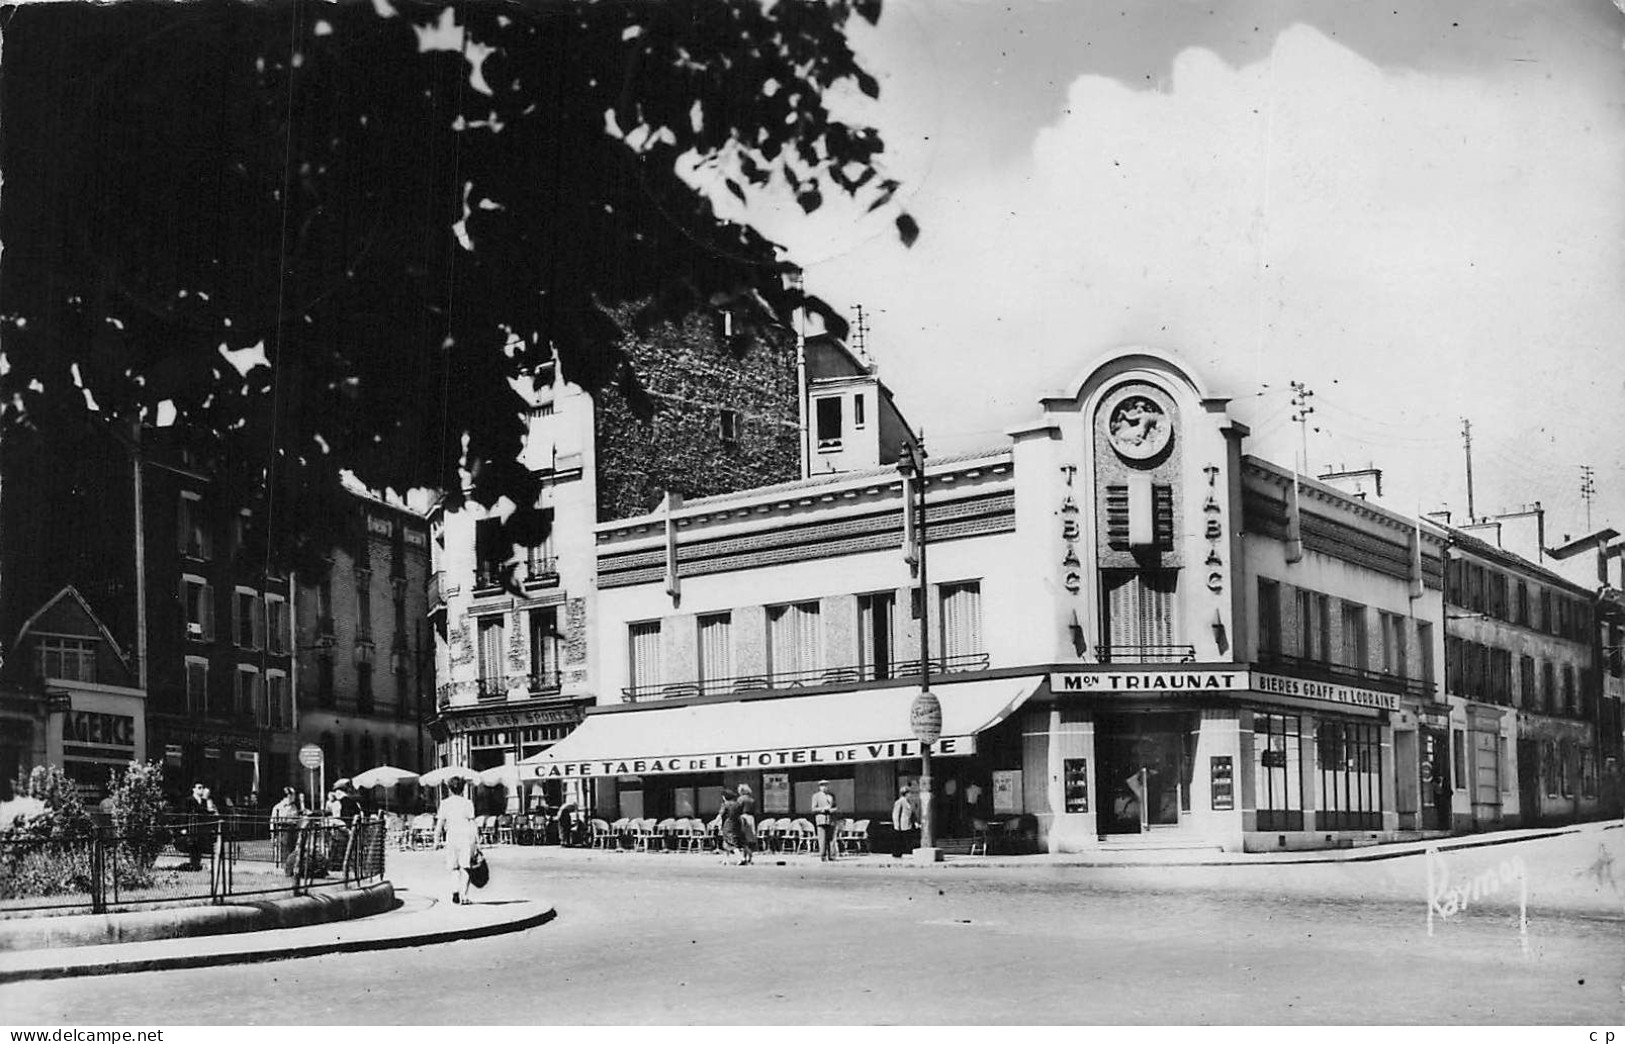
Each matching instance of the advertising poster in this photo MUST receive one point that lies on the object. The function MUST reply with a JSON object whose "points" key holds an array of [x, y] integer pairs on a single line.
{"points": [[776, 792], [1007, 792], [1223, 783], [1077, 784]]}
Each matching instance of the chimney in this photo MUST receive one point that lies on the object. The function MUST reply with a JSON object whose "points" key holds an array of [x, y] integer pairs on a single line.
{"points": [[1441, 516], [1523, 532], [1365, 483]]}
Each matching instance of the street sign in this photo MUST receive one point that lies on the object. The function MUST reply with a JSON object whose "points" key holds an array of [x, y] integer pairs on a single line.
{"points": [[310, 756], [925, 718]]}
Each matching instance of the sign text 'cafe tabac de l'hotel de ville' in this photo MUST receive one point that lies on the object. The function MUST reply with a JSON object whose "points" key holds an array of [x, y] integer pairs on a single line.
{"points": [[1135, 627]]}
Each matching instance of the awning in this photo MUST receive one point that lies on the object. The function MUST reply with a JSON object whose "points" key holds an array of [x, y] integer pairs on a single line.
{"points": [[825, 730]]}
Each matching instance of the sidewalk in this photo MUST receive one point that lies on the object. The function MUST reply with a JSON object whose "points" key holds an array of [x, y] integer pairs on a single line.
{"points": [[423, 916], [1115, 857]]}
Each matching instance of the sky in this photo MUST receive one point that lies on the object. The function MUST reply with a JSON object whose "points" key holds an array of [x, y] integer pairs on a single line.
{"points": [[1416, 210]]}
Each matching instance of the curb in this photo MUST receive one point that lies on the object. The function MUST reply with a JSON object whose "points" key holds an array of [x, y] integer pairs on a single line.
{"points": [[265, 953], [184, 922]]}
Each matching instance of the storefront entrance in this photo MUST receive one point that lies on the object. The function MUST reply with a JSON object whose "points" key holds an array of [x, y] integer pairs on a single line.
{"points": [[1143, 770], [1435, 790]]}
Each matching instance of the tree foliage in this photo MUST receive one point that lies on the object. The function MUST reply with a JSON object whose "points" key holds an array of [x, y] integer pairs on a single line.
{"points": [[404, 208]]}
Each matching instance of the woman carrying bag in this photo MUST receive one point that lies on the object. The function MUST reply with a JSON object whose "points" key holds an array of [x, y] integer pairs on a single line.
{"points": [[455, 823]]}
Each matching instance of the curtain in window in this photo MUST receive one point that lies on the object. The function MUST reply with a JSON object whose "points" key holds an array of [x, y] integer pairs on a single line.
{"points": [[716, 647], [876, 634], [961, 620], [492, 654], [644, 646], [794, 644], [1140, 607]]}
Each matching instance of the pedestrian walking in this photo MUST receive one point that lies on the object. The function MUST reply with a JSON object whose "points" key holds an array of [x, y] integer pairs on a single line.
{"points": [[283, 816], [905, 823], [454, 823], [747, 824], [823, 810], [728, 824]]}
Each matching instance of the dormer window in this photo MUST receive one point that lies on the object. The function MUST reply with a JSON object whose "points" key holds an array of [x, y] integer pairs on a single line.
{"points": [[829, 423]]}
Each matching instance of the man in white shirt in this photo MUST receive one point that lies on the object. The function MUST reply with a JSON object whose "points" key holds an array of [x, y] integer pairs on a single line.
{"points": [[455, 823], [905, 821], [823, 810]]}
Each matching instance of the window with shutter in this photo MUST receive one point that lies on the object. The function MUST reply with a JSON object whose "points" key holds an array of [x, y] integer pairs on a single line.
{"points": [[961, 617], [793, 640], [1140, 612], [1269, 617], [493, 650], [876, 634], [716, 647], [643, 647], [197, 685]]}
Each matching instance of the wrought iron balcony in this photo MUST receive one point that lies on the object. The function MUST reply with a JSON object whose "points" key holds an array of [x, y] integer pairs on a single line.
{"points": [[491, 690], [1337, 673], [817, 676], [544, 682], [1147, 653], [541, 571]]}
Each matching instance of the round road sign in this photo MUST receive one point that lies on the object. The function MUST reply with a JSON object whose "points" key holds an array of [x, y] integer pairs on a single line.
{"points": [[310, 756]]}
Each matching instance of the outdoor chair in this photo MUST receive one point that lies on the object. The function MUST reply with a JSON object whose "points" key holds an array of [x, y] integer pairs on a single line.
{"points": [[802, 837], [643, 835], [692, 835], [602, 834], [422, 834], [853, 836], [978, 836], [504, 830], [620, 830], [766, 834], [667, 831]]}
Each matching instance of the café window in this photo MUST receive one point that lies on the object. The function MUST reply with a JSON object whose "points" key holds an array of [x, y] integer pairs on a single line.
{"points": [[68, 659], [1350, 764], [1278, 782]]}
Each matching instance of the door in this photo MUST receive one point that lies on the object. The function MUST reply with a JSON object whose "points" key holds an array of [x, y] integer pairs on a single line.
{"points": [[1435, 781], [1143, 767]]}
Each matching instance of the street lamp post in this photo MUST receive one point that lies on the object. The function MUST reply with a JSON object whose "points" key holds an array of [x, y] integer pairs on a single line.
{"points": [[926, 714]]}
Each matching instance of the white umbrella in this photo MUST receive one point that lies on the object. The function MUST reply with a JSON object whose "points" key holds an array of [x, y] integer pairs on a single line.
{"points": [[385, 776], [500, 776], [439, 776]]}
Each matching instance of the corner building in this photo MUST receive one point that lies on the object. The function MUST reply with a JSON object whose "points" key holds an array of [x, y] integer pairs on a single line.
{"points": [[1139, 635]]}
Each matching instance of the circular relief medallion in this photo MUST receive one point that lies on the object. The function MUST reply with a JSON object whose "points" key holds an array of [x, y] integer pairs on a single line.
{"points": [[1139, 429]]}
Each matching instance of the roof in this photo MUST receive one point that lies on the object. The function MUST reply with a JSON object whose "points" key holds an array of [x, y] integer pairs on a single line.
{"points": [[1488, 550]]}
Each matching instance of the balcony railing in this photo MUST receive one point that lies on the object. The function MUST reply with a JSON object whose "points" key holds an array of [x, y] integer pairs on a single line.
{"points": [[490, 690], [541, 571], [544, 681], [1320, 670], [818, 676], [1147, 653]]}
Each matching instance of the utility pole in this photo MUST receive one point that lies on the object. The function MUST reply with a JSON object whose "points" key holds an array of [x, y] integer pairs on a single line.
{"points": [[1467, 444], [1301, 394], [1588, 490]]}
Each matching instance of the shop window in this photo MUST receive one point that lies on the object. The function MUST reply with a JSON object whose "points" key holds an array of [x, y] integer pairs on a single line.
{"points": [[877, 634], [1276, 772], [643, 648], [1350, 763], [198, 598], [1269, 618], [716, 650], [794, 644], [829, 422], [69, 659], [960, 613]]}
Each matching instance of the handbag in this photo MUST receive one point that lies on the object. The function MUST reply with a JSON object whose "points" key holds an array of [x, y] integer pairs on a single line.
{"points": [[479, 871]]}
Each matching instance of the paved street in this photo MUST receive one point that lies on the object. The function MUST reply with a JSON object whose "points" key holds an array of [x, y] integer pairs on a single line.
{"points": [[684, 939]]}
